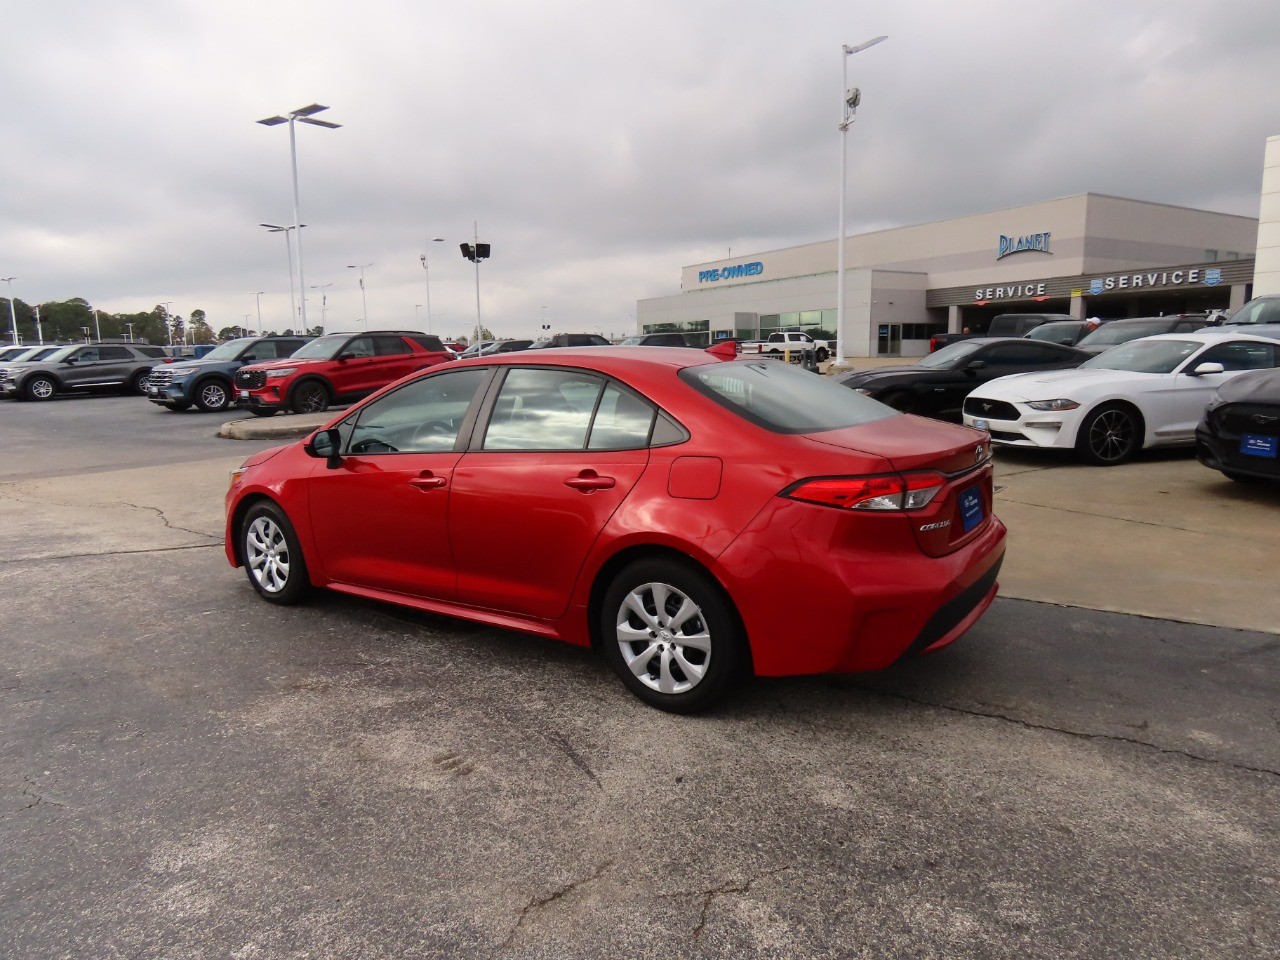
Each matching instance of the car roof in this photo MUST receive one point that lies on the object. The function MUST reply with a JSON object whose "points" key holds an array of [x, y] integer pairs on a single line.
{"points": [[605, 359], [1209, 335]]}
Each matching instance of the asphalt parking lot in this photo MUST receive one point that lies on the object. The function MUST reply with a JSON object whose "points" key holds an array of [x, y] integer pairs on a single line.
{"points": [[188, 772]]}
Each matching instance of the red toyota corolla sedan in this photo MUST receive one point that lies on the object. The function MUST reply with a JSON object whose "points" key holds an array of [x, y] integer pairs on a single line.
{"points": [[694, 519]]}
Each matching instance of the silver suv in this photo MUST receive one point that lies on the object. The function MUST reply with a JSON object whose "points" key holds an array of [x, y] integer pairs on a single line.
{"points": [[82, 366]]}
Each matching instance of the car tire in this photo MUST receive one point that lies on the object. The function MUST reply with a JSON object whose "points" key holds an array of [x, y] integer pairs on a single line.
{"points": [[900, 400], [271, 555], [310, 396], [672, 635], [137, 384], [213, 396], [40, 387], [823, 354], [1109, 435]]}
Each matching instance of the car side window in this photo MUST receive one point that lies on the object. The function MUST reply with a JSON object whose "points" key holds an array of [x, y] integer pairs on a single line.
{"points": [[391, 346], [429, 343], [359, 347], [1012, 353], [622, 422], [543, 410], [421, 417], [1240, 355], [115, 353], [86, 355]]}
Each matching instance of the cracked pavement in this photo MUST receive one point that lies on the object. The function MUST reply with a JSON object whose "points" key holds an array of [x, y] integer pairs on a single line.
{"points": [[188, 772]]}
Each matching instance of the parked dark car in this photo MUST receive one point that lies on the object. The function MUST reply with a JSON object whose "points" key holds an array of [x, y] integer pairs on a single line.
{"points": [[656, 340], [1066, 332], [1004, 325], [937, 385], [571, 340], [209, 382], [506, 346], [1135, 328], [1240, 431], [120, 365]]}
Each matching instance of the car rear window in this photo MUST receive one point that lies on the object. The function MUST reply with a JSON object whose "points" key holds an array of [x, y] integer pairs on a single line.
{"points": [[782, 398]]}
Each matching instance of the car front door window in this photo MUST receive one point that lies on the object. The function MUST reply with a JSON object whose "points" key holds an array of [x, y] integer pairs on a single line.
{"points": [[421, 417]]}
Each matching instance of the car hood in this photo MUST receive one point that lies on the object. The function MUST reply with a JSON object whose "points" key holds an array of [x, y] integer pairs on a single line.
{"points": [[194, 366], [1255, 386], [860, 378], [282, 364], [1038, 385]]}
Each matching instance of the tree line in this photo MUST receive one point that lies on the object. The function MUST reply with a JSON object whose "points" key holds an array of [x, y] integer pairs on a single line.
{"points": [[75, 320]]}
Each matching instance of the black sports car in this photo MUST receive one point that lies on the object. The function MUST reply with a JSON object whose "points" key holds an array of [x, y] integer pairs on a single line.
{"points": [[1240, 431], [937, 385]]}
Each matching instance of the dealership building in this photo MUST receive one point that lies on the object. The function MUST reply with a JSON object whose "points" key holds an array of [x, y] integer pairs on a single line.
{"points": [[1088, 256]]}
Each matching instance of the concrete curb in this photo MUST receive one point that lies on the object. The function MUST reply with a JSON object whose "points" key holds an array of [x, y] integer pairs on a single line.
{"points": [[279, 427]]}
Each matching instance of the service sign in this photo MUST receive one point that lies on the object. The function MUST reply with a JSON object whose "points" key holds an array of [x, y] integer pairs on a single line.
{"points": [[1210, 277]]}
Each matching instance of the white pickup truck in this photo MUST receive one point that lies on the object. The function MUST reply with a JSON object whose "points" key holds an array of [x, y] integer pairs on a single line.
{"points": [[789, 342]]}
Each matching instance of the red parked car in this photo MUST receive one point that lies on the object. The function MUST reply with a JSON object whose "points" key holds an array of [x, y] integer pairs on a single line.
{"points": [[336, 367], [694, 519]]}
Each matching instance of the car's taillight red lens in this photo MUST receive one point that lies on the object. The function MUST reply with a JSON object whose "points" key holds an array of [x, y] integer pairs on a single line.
{"points": [[894, 491]]}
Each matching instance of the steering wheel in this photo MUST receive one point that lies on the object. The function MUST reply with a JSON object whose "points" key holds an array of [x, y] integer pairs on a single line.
{"points": [[434, 430], [373, 445]]}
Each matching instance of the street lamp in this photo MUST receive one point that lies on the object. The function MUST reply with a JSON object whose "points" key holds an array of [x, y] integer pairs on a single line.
{"points": [[427, 275], [364, 316], [130, 326], [324, 304], [293, 300], [257, 297], [168, 321], [852, 97], [13, 315], [475, 252], [306, 115]]}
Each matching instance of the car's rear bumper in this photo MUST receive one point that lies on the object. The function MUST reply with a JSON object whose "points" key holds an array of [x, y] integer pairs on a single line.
{"points": [[817, 604]]}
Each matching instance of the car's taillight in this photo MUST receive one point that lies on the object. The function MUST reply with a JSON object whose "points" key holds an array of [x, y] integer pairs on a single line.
{"points": [[894, 491]]}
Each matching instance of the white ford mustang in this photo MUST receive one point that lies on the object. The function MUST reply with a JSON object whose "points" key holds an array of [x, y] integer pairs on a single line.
{"points": [[1144, 393]]}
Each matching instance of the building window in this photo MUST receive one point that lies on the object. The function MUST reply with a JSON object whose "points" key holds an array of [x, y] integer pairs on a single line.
{"points": [[1231, 255], [1211, 255]]}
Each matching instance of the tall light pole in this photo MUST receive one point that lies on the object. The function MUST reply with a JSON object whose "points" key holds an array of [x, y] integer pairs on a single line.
{"points": [[475, 252], [168, 321], [306, 115], [257, 297], [426, 272], [852, 97], [40, 329], [324, 304], [130, 326], [288, 249], [97, 324], [364, 303], [13, 314]]}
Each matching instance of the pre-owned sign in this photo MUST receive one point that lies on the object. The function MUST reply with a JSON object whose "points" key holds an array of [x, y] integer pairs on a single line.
{"points": [[731, 273]]}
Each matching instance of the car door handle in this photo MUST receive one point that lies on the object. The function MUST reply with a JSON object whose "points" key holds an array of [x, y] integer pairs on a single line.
{"points": [[427, 481], [589, 480]]}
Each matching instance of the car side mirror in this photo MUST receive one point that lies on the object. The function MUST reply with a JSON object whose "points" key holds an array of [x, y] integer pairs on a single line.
{"points": [[1065, 341], [976, 365], [324, 446], [1207, 368]]}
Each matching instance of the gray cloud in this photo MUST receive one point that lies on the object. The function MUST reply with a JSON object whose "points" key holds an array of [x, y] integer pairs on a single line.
{"points": [[600, 147]]}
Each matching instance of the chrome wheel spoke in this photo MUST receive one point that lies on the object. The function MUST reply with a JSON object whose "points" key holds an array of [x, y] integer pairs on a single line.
{"points": [[668, 660]]}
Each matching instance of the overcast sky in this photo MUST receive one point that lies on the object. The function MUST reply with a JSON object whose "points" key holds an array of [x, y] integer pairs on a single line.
{"points": [[600, 146]]}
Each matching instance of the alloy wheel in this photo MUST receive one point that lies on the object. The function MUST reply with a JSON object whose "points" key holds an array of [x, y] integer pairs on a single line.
{"points": [[267, 554], [663, 637], [1111, 436]]}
